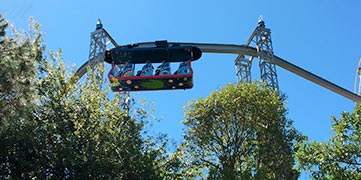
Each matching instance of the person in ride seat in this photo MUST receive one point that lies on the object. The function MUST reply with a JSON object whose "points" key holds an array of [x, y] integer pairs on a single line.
{"points": [[128, 70], [163, 69], [147, 70], [183, 68]]}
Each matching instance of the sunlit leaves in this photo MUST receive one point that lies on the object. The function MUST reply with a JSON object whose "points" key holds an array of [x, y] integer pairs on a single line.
{"points": [[239, 132], [19, 55], [340, 157]]}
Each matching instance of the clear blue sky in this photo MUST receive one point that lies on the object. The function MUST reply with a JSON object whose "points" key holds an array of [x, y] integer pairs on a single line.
{"points": [[321, 36]]}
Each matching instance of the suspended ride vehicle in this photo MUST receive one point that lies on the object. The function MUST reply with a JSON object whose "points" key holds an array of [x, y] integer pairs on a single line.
{"points": [[126, 57]]}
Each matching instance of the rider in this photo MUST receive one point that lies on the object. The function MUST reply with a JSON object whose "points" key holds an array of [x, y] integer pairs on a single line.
{"points": [[147, 70], [128, 70], [163, 69], [183, 68]]}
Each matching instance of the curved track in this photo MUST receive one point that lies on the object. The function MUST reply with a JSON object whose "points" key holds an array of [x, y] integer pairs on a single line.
{"points": [[249, 51]]}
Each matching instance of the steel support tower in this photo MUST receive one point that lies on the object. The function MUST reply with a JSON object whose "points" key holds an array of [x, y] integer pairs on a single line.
{"points": [[357, 83], [243, 68], [98, 45], [261, 37], [265, 51], [99, 39]]}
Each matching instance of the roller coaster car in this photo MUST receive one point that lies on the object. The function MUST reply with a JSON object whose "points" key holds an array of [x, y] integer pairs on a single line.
{"points": [[182, 79], [144, 80]]}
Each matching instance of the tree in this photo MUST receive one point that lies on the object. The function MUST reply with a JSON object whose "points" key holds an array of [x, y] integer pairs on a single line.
{"points": [[18, 58], [238, 132], [87, 135], [19, 55], [340, 157], [53, 128]]}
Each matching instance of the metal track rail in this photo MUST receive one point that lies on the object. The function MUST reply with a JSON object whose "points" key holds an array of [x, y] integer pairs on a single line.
{"points": [[249, 51]]}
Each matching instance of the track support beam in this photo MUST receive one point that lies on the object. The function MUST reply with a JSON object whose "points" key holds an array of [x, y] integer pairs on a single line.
{"points": [[262, 37], [99, 39], [243, 68]]}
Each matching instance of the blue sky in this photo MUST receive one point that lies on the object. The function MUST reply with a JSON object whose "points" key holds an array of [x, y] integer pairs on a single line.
{"points": [[319, 36]]}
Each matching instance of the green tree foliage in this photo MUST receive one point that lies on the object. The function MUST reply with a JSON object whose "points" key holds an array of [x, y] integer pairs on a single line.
{"points": [[238, 132], [18, 58], [53, 128], [19, 55], [340, 157]]}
